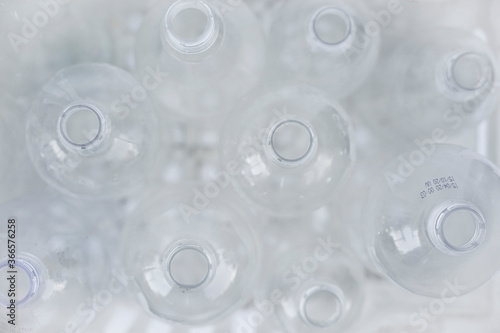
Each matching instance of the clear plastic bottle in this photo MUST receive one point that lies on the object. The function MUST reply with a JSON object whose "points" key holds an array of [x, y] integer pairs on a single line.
{"points": [[128, 16], [57, 266], [398, 322], [324, 43], [441, 78], [193, 258], [12, 120], [430, 220], [211, 52], [287, 149], [17, 175], [4, 149], [41, 38], [317, 288], [374, 151], [92, 131]]}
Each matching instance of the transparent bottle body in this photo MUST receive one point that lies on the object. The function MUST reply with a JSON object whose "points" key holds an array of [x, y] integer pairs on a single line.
{"points": [[288, 148], [323, 43], [209, 55], [4, 149], [190, 268], [40, 39], [92, 131], [444, 78], [373, 151], [317, 288], [11, 129], [57, 265], [17, 175], [432, 225]]}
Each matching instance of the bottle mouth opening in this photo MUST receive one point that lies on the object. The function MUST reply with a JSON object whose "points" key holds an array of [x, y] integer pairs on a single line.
{"points": [[190, 26], [457, 227], [291, 142], [332, 27], [189, 266], [20, 281], [469, 72], [81, 126], [321, 306]]}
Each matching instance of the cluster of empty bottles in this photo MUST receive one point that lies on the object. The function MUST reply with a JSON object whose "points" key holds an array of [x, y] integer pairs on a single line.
{"points": [[206, 163]]}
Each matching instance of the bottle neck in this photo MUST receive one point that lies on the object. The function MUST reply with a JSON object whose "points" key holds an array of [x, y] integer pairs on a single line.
{"points": [[332, 30], [22, 281], [466, 75], [321, 305], [189, 265], [192, 28], [456, 227], [83, 128]]}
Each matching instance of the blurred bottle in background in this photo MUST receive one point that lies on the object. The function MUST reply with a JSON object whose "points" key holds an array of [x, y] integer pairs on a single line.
{"points": [[209, 54], [127, 17], [17, 175], [40, 38], [442, 79], [325, 43], [59, 266], [316, 288]]}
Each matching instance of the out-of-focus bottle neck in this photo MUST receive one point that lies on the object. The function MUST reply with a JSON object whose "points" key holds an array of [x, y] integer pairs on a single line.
{"points": [[332, 30], [466, 75], [24, 278], [321, 305]]}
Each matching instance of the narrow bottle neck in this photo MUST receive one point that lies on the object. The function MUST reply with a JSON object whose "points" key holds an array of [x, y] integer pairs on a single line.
{"points": [[456, 227], [83, 128], [189, 265], [332, 30], [465, 75], [291, 143], [192, 28], [23, 280], [321, 305]]}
